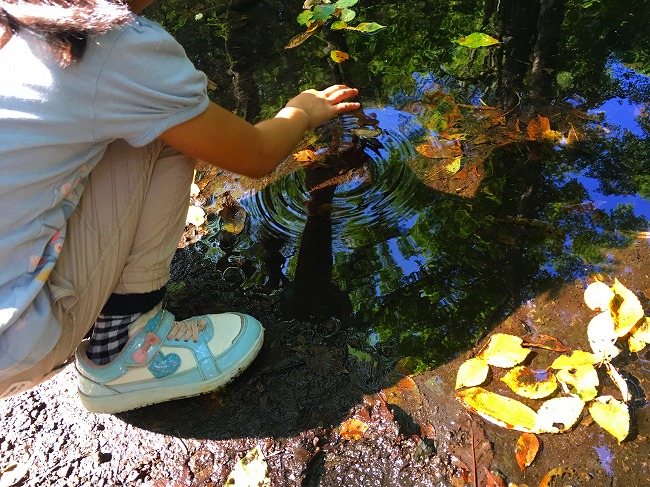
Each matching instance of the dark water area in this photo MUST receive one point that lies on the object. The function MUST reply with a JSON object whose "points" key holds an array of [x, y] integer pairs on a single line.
{"points": [[472, 180]]}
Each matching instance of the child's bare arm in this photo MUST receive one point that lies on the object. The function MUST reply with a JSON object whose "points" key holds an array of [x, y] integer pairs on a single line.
{"points": [[219, 137]]}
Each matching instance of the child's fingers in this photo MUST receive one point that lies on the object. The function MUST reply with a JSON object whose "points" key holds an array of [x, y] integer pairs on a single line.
{"points": [[333, 89], [347, 106], [342, 94]]}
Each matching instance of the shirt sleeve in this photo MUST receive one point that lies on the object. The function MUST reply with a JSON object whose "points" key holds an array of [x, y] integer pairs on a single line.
{"points": [[146, 86]]}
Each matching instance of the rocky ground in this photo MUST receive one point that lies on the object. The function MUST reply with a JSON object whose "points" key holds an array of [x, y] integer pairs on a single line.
{"points": [[322, 415]]}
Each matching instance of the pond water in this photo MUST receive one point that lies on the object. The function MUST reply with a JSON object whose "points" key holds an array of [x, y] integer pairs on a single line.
{"points": [[472, 179]]}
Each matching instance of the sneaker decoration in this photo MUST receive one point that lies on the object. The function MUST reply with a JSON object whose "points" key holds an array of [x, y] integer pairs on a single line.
{"points": [[167, 359]]}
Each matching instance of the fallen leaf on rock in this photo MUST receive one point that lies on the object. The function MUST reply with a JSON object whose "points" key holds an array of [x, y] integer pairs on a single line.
{"points": [[498, 409], [472, 372], [504, 351], [554, 476], [472, 450], [493, 479], [526, 450], [640, 336], [612, 415], [353, 429], [574, 359], [530, 383], [580, 381], [602, 336], [598, 295], [252, 470], [626, 308], [558, 415], [620, 382]]}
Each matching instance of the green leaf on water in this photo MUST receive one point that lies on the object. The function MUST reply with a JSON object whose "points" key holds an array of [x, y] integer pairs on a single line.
{"points": [[323, 12], [305, 17], [476, 39], [369, 27], [338, 25], [345, 3], [347, 15]]}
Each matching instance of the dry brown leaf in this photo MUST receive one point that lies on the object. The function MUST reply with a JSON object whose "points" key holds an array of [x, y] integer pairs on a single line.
{"points": [[526, 450], [546, 342], [494, 480]]}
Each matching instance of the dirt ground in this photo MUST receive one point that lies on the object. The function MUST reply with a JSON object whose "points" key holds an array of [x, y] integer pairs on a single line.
{"points": [[323, 417]]}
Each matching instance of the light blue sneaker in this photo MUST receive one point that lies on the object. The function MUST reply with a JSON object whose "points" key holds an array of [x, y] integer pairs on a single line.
{"points": [[166, 359]]}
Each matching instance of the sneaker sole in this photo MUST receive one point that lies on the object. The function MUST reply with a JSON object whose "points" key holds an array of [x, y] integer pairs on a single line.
{"points": [[133, 400]]}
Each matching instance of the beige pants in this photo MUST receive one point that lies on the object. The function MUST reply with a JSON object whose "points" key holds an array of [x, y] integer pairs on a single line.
{"points": [[121, 238]]}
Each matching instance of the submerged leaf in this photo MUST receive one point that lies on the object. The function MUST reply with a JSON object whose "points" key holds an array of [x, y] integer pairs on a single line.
{"points": [[612, 415], [558, 415], [476, 40], [250, 470], [498, 409], [598, 296], [627, 311], [339, 56], [472, 372], [504, 350], [580, 381], [537, 127], [602, 336], [526, 450], [530, 383], [300, 38]]}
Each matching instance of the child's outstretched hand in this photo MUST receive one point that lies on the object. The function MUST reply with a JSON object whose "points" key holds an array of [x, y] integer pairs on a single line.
{"points": [[320, 106]]}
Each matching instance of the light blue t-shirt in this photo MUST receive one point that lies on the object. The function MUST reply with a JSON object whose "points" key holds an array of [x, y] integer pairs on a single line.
{"points": [[133, 83]]}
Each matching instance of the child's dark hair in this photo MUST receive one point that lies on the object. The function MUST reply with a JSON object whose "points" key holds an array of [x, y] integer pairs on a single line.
{"points": [[65, 23]]}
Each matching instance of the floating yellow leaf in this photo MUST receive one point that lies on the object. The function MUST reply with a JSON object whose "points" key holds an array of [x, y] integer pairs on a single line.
{"points": [[627, 311], [530, 383], [504, 350], [195, 216], [612, 415], [598, 296], [472, 372], [580, 381], [558, 415], [526, 450], [497, 409], [339, 56], [250, 470], [575, 359], [602, 336], [640, 336]]}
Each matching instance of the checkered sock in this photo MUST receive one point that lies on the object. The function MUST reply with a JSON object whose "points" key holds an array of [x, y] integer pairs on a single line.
{"points": [[110, 334]]}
